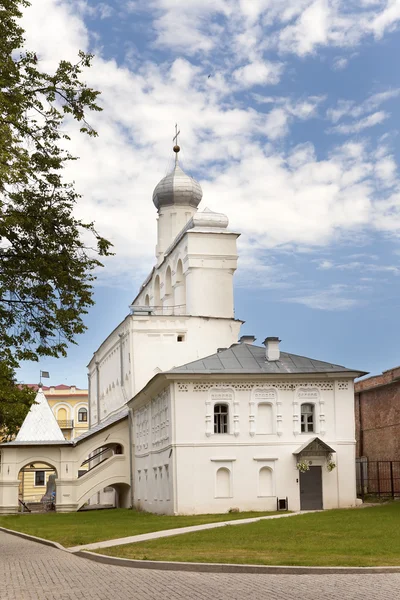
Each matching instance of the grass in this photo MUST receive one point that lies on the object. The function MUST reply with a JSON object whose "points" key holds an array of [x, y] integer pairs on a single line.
{"points": [[75, 529], [352, 537]]}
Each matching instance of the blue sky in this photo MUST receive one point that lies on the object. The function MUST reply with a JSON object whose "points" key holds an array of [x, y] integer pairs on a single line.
{"points": [[289, 113]]}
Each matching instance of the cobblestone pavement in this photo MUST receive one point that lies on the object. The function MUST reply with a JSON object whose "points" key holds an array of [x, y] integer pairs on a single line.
{"points": [[31, 571]]}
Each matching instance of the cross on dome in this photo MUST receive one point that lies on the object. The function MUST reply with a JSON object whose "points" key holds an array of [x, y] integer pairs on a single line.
{"points": [[176, 147]]}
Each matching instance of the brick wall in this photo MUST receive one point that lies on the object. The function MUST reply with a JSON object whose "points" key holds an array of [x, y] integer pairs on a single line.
{"points": [[379, 398]]}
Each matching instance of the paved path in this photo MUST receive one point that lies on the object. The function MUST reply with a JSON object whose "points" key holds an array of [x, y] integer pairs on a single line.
{"points": [[144, 537], [31, 571]]}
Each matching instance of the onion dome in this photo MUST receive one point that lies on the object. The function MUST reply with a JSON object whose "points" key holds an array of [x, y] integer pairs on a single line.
{"points": [[178, 189]]}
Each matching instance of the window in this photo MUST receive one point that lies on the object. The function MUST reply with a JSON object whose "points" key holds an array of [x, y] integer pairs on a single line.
{"points": [[40, 478], [82, 415], [180, 338], [307, 418], [221, 418]]}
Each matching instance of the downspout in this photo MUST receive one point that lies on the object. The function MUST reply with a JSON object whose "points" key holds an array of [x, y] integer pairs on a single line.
{"points": [[361, 446], [130, 425]]}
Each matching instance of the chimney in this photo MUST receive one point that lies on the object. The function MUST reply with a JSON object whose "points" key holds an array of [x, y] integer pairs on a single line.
{"points": [[272, 348], [247, 339]]}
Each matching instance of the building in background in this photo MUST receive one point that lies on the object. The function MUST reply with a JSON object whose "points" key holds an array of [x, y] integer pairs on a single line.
{"points": [[377, 416], [69, 405]]}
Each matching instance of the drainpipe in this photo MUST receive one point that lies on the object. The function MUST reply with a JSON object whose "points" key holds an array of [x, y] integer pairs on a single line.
{"points": [[130, 426], [361, 445]]}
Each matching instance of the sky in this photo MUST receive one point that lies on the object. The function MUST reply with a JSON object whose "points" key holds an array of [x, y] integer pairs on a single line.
{"points": [[289, 118]]}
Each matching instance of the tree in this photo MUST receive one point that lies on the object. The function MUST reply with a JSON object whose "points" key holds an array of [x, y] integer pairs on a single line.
{"points": [[46, 267]]}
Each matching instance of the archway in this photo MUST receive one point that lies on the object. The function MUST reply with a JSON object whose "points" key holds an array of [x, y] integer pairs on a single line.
{"points": [[37, 487], [106, 494]]}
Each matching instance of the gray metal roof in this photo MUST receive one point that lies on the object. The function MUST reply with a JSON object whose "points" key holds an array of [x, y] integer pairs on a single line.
{"points": [[177, 188], [246, 358], [122, 414]]}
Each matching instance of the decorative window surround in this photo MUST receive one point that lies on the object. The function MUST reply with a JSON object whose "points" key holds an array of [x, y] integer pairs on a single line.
{"points": [[222, 459], [261, 458], [263, 396], [222, 396]]}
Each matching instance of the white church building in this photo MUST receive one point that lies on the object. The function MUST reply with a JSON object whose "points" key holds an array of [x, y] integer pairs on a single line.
{"points": [[186, 416]]}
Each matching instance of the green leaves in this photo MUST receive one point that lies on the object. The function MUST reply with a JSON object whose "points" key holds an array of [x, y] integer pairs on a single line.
{"points": [[46, 269]]}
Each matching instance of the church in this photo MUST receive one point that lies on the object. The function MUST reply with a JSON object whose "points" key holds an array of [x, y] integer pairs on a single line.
{"points": [[185, 415]]}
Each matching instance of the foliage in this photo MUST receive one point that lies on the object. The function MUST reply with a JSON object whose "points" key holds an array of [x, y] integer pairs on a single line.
{"points": [[47, 268], [73, 529], [15, 402], [303, 466]]}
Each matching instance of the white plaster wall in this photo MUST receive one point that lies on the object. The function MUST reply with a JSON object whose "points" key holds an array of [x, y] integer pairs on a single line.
{"points": [[153, 347], [153, 489], [171, 220], [200, 452]]}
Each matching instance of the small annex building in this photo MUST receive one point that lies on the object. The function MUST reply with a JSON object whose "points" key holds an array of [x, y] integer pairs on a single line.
{"points": [[186, 416]]}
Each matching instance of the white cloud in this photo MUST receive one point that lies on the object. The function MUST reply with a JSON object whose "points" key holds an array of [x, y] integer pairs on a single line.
{"points": [[258, 73], [333, 298], [375, 119], [278, 198]]}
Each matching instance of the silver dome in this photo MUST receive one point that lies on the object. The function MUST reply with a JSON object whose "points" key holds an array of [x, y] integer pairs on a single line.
{"points": [[177, 188]]}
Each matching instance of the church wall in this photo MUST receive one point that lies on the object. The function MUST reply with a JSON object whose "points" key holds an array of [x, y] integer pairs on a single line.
{"points": [[244, 452], [153, 490]]}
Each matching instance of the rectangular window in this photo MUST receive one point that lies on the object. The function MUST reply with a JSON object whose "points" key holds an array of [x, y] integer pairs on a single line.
{"points": [[307, 418], [221, 418], [40, 478]]}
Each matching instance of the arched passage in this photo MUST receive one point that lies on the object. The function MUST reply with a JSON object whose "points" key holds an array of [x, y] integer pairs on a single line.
{"points": [[37, 483]]}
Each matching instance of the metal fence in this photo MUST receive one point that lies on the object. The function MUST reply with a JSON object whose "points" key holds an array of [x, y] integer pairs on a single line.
{"points": [[378, 478]]}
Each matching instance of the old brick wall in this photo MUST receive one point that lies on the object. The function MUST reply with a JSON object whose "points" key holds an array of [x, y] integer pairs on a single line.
{"points": [[380, 417]]}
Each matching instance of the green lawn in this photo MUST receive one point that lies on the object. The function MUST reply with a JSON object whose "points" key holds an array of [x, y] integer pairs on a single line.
{"points": [[353, 537], [75, 529]]}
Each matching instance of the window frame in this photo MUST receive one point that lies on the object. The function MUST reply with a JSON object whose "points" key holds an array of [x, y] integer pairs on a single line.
{"points": [[44, 478], [304, 423], [80, 412], [220, 415]]}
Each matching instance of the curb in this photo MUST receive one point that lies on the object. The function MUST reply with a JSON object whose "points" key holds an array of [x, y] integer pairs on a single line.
{"points": [[205, 567], [33, 538], [231, 568]]}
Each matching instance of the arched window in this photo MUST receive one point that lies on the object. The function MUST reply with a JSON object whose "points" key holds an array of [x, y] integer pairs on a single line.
{"points": [[147, 300], [221, 414], [307, 418], [223, 483], [82, 415], [168, 282], [264, 421], [265, 482], [157, 300]]}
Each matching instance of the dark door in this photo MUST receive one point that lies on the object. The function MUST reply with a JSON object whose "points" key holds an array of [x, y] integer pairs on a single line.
{"points": [[311, 489]]}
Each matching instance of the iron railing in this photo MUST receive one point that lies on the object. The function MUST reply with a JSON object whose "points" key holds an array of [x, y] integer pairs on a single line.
{"points": [[65, 423], [378, 478], [176, 310]]}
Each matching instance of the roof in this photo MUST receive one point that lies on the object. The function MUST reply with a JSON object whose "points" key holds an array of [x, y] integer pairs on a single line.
{"points": [[246, 358], [40, 424], [46, 388], [312, 446], [119, 416]]}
